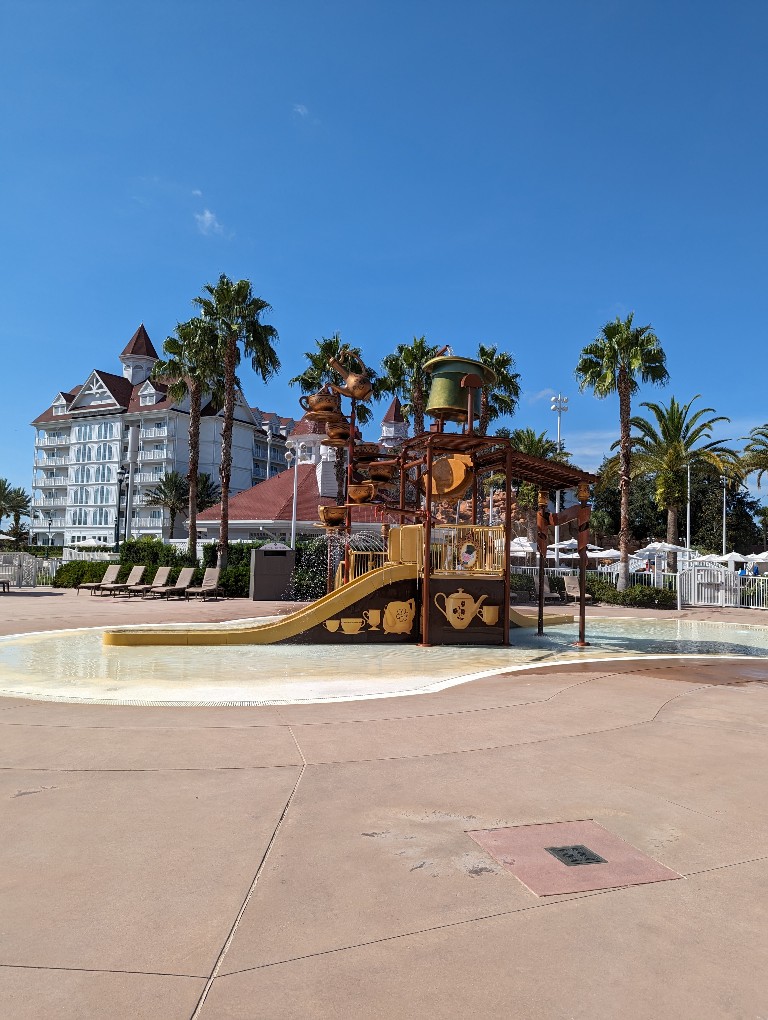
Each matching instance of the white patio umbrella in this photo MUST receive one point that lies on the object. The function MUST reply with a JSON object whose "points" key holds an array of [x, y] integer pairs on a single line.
{"points": [[522, 545], [6, 538], [730, 558], [604, 554], [657, 549]]}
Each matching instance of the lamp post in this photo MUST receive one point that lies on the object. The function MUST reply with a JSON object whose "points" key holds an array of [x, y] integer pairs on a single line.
{"points": [[724, 480], [268, 430], [559, 404], [121, 476], [49, 518], [294, 452]]}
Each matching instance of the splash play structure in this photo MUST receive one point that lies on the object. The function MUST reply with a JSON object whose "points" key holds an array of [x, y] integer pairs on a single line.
{"points": [[431, 583]]}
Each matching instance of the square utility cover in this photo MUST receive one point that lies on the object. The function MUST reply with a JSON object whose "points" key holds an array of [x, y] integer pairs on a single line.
{"points": [[566, 857]]}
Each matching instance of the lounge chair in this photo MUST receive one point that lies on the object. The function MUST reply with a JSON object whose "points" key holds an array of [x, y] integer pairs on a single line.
{"points": [[161, 578], [549, 595], [110, 576], [572, 590], [210, 585], [179, 588], [134, 577]]}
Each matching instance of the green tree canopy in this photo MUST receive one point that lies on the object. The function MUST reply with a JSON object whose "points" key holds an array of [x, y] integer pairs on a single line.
{"points": [[403, 376], [617, 361], [501, 398], [234, 314]]}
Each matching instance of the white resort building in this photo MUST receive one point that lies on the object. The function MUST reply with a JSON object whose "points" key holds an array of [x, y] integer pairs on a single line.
{"points": [[111, 421]]}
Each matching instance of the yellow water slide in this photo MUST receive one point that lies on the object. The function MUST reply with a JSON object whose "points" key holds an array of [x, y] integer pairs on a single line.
{"points": [[246, 632]]}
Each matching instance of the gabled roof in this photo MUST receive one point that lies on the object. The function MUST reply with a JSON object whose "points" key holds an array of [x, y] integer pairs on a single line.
{"points": [[307, 427], [140, 346], [272, 500]]}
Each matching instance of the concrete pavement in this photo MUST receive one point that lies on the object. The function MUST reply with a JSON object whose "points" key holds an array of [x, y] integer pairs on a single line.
{"points": [[313, 861]]}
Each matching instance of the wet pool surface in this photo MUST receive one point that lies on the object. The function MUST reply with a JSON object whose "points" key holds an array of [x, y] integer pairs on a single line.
{"points": [[75, 666]]}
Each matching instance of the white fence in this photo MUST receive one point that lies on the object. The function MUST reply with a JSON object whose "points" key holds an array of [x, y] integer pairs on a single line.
{"points": [[713, 584], [24, 571]]}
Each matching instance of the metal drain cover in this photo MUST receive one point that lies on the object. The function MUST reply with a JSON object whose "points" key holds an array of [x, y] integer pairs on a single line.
{"points": [[573, 855]]}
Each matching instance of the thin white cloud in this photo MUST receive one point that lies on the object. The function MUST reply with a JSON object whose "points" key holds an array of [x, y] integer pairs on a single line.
{"points": [[197, 193], [533, 398], [301, 110], [207, 223]]}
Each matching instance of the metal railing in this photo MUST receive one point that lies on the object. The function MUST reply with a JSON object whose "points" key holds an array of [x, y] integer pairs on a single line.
{"points": [[52, 441], [55, 501], [51, 461], [753, 592], [22, 570], [467, 548], [40, 483], [155, 454]]}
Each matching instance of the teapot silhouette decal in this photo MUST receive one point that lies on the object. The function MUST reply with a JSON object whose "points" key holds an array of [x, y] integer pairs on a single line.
{"points": [[459, 608]]}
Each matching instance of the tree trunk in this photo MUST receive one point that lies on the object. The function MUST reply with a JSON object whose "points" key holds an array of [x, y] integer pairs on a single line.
{"points": [[531, 526], [485, 414], [417, 399], [225, 469], [173, 523], [624, 482], [340, 468], [672, 538], [195, 401]]}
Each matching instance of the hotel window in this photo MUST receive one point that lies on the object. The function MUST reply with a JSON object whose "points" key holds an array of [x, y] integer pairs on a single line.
{"points": [[83, 453], [104, 451], [102, 473], [105, 431], [83, 433], [82, 474]]}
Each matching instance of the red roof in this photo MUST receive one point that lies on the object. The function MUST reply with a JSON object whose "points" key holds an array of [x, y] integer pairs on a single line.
{"points": [[394, 413], [126, 395], [140, 346], [308, 428], [272, 500]]}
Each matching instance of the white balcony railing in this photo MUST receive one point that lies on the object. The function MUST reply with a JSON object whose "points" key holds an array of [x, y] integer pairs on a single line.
{"points": [[154, 433], [149, 522], [52, 441], [147, 477], [40, 483], [155, 454], [54, 501], [43, 461]]}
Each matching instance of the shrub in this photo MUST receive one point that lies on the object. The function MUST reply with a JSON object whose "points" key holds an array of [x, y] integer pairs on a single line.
{"points": [[238, 552], [522, 585], [70, 575], [640, 595], [151, 552]]}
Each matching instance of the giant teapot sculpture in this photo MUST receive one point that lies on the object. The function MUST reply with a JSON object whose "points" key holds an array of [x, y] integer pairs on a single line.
{"points": [[356, 384]]}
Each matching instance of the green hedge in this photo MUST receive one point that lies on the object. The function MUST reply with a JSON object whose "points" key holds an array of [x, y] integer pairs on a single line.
{"points": [[152, 552], [640, 595], [238, 552], [70, 575]]}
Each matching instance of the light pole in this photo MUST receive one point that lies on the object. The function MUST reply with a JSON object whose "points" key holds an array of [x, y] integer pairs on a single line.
{"points": [[121, 476], [290, 455], [559, 404], [724, 480], [268, 430]]}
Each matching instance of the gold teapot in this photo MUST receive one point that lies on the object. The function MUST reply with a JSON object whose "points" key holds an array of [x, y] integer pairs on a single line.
{"points": [[356, 384], [459, 608]]}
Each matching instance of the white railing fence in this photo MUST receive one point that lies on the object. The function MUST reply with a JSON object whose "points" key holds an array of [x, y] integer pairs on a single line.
{"points": [[22, 570]]}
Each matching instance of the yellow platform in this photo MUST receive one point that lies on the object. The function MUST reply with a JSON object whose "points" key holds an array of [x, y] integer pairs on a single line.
{"points": [[249, 633]]}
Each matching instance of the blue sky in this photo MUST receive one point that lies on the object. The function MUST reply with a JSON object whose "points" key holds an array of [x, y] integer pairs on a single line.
{"points": [[496, 172]]}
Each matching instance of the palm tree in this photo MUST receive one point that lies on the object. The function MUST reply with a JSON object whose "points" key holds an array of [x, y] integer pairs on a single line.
{"points": [[666, 446], [535, 445], [756, 452], [403, 376], [501, 398], [208, 492], [191, 367], [5, 490], [18, 504], [613, 363], [317, 373], [762, 517], [172, 494], [234, 313]]}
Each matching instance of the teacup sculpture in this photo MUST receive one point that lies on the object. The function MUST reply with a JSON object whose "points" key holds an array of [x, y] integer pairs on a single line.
{"points": [[332, 516], [324, 402], [362, 492], [367, 451], [381, 471]]}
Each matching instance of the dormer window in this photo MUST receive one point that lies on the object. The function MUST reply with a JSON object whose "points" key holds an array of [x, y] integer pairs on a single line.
{"points": [[59, 405], [148, 398]]}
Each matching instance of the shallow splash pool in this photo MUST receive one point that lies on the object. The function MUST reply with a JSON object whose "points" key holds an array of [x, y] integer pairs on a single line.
{"points": [[75, 666]]}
